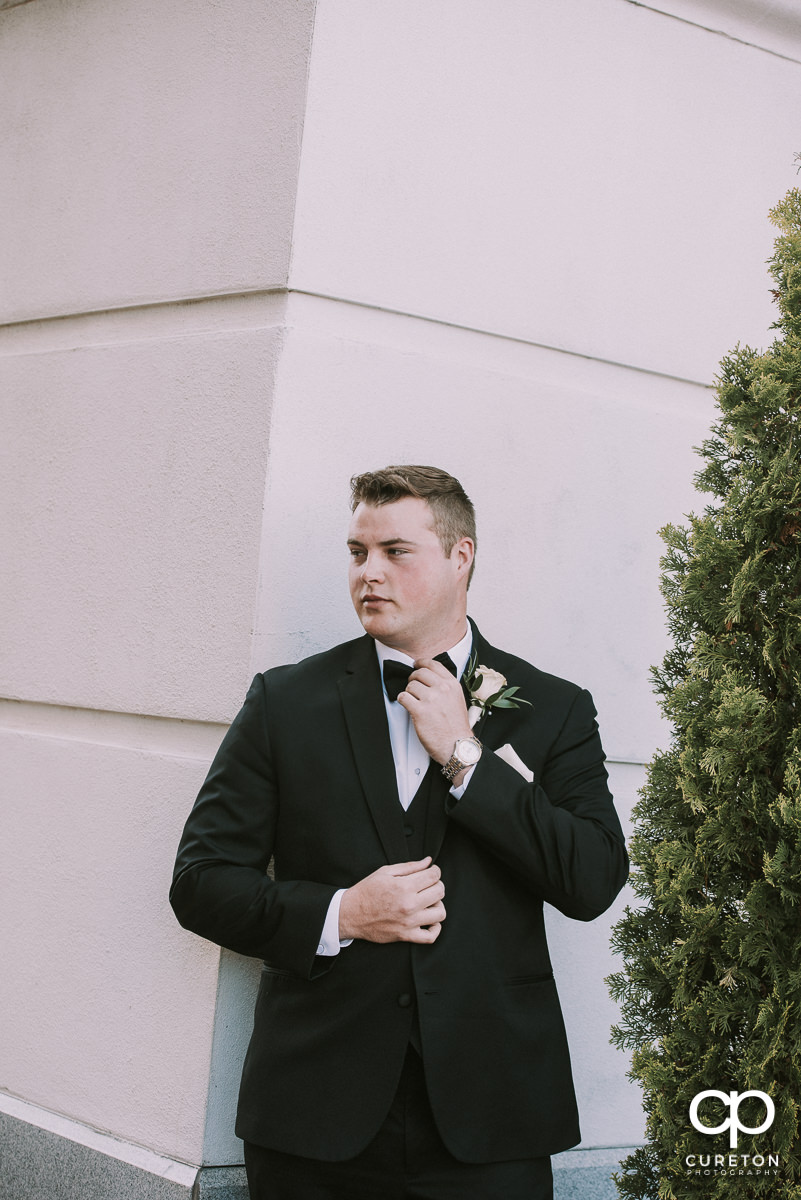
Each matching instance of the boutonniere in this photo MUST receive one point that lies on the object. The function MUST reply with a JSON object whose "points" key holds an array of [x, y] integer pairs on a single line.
{"points": [[487, 690]]}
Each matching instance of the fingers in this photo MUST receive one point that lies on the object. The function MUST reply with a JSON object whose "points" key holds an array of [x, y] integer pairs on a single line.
{"points": [[426, 882], [426, 874], [419, 930], [438, 700], [432, 894], [436, 668], [429, 674], [427, 914], [426, 934], [409, 868]]}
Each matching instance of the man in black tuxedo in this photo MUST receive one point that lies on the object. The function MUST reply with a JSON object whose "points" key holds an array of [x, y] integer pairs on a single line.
{"points": [[408, 1040]]}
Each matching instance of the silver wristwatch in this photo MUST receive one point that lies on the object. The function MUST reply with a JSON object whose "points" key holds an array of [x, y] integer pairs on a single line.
{"points": [[466, 753]]}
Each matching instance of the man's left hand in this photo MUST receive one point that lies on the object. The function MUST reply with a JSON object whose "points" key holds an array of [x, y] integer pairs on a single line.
{"points": [[435, 701]]}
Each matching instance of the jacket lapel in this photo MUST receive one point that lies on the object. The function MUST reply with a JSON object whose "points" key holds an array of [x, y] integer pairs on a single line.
{"points": [[437, 822], [490, 727], [365, 716]]}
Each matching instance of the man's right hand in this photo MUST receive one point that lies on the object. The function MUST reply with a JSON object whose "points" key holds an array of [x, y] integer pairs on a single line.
{"points": [[401, 902]]}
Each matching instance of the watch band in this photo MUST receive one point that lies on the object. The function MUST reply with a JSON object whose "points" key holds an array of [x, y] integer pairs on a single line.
{"points": [[455, 764]]}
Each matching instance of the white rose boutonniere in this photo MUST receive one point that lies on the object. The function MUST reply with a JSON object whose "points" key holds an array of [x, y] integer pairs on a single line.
{"points": [[488, 689]]}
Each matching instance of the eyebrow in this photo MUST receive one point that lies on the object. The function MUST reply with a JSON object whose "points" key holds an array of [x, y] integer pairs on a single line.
{"points": [[389, 542]]}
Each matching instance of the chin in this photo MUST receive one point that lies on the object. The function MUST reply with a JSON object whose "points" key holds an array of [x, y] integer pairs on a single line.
{"points": [[379, 627], [376, 627]]}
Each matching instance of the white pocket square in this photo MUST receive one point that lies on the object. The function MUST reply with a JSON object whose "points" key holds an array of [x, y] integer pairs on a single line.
{"points": [[510, 756]]}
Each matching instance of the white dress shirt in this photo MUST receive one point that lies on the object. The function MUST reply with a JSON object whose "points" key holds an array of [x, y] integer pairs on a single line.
{"points": [[411, 764]]}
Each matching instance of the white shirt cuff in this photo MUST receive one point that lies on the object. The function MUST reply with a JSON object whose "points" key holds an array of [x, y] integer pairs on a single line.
{"points": [[330, 942], [458, 792]]}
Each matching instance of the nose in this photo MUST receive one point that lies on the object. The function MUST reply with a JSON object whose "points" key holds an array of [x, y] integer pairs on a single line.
{"points": [[371, 571]]}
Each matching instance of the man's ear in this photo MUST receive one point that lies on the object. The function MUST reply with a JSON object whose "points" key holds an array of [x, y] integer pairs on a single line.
{"points": [[464, 550]]}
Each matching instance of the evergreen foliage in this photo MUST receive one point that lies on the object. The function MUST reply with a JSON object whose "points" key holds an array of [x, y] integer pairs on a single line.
{"points": [[711, 988]]}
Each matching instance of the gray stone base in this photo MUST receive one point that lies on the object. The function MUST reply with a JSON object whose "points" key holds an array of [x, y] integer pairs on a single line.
{"points": [[36, 1164], [222, 1183], [587, 1174]]}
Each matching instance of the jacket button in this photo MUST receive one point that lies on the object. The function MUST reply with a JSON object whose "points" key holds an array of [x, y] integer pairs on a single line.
{"points": [[404, 1000], [408, 830]]}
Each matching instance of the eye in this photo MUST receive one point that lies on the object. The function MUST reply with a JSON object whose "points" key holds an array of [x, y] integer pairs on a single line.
{"points": [[397, 551], [355, 552]]}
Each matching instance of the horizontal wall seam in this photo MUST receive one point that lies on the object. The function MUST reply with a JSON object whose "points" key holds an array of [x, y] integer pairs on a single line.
{"points": [[172, 736], [130, 324], [710, 29], [35, 335], [503, 337], [144, 305]]}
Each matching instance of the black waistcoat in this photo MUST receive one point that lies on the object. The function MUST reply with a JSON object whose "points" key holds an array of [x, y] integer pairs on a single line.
{"points": [[415, 823]]}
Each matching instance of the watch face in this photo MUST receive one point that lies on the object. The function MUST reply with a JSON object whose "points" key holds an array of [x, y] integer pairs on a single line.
{"points": [[467, 752]]}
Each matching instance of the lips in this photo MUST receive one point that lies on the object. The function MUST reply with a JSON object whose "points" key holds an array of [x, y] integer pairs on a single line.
{"points": [[372, 599]]}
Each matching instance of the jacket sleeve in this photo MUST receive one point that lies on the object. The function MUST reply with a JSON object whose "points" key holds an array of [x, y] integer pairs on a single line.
{"points": [[560, 834], [221, 889]]}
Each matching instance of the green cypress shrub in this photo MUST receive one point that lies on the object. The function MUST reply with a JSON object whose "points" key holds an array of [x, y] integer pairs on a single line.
{"points": [[710, 992]]}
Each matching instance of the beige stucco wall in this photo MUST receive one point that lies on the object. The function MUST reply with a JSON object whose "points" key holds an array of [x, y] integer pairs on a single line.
{"points": [[150, 156], [593, 175], [513, 241], [150, 150]]}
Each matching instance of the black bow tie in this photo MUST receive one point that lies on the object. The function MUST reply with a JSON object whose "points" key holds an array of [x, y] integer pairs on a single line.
{"points": [[396, 674]]}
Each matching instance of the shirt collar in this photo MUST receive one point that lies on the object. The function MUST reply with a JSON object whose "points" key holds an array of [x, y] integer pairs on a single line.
{"points": [[459, 653]]}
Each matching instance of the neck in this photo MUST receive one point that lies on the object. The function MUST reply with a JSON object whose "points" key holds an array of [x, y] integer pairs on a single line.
{"points": [[430, 646]]}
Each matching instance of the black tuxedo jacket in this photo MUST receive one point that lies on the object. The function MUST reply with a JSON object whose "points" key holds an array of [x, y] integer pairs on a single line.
{"points": [[305, 776]]}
